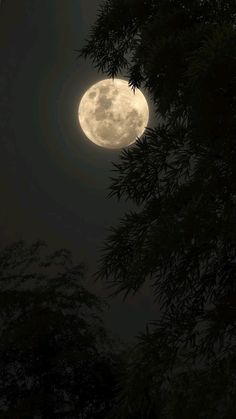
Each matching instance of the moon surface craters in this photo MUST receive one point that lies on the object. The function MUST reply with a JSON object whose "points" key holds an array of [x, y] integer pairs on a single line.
{"points": [[111, 115]]}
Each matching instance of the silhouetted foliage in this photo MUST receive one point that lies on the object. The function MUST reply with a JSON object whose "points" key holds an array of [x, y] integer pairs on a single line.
{"points": [[55, 356], [153, 387], [182, 175]]}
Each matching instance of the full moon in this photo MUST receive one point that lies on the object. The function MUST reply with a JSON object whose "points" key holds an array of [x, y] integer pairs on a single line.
{"points": [[112, 115]]}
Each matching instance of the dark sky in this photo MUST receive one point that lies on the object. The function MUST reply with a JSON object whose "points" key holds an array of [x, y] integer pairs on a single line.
{"points": [[53, 180]]}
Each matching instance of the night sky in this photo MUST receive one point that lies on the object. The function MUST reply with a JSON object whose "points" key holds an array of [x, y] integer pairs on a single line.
{"points": [[54, 181]]}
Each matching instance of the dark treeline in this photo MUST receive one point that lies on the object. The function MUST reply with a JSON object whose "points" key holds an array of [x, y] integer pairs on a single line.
{"points": [[56, 358]]}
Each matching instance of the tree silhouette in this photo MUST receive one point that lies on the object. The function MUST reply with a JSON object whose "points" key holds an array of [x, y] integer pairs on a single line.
{"points": [[55, 356], [182, 176]]}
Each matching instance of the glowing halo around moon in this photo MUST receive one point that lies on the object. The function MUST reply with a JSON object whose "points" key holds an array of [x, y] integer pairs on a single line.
{"points": [[111, 115]]}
